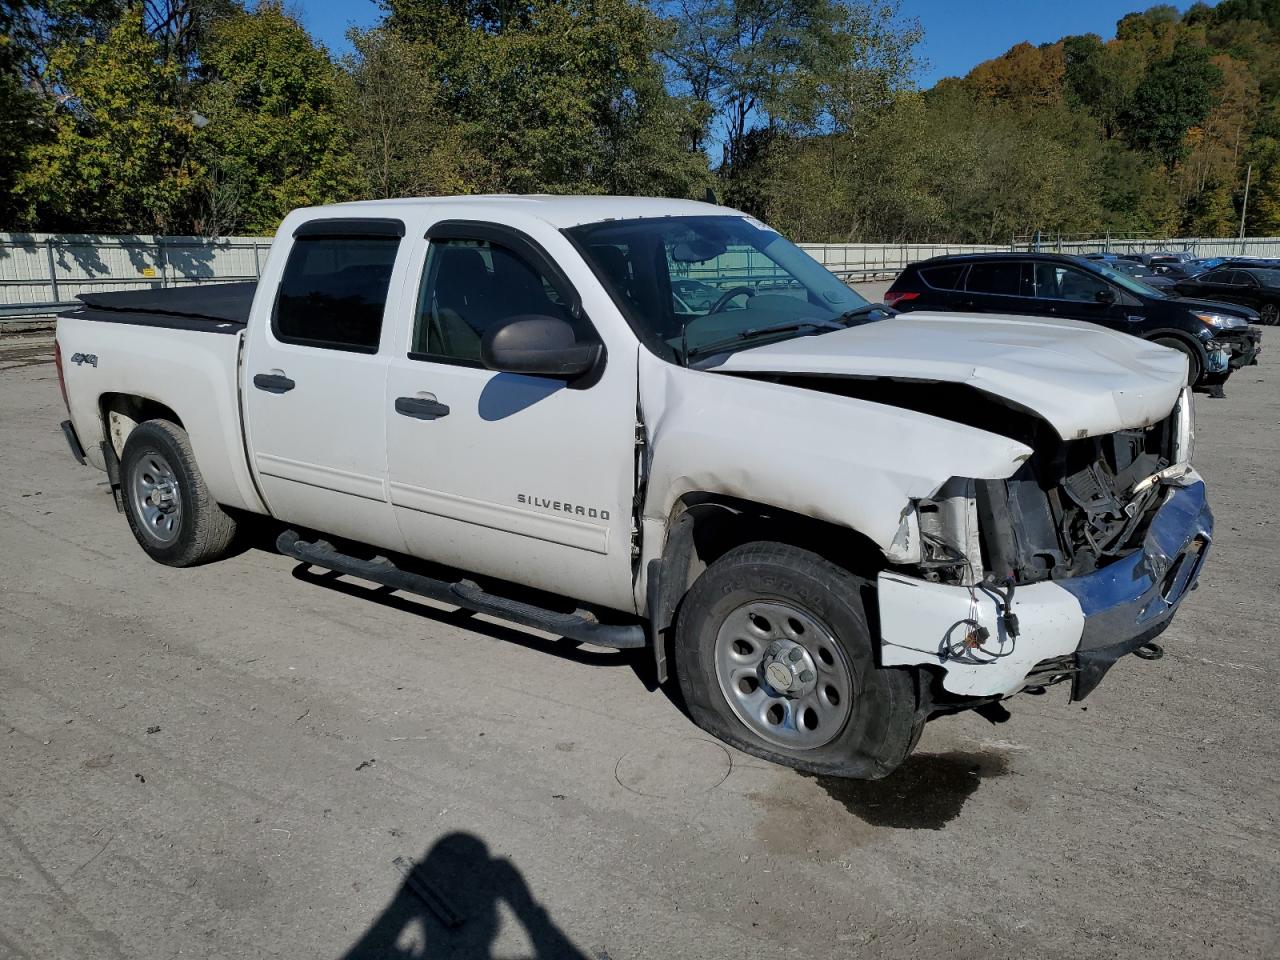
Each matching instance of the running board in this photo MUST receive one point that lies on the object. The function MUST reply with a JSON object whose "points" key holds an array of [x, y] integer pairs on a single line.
{"points": [[467, 594]]}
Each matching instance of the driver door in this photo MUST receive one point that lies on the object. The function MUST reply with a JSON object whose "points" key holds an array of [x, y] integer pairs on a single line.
{"points": [[529, 479], [1079, 295]]}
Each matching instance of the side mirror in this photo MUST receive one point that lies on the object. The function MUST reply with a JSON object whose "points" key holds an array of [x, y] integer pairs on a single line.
{"points": [[1105, 295], [538, 346]]}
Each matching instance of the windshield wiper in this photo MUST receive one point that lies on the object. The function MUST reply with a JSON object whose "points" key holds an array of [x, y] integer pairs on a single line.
{"points": [[858, 313], [751, 333]]}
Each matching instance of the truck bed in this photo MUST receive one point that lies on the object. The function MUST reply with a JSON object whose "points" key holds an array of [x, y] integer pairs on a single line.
{"points": [[211, 308]]}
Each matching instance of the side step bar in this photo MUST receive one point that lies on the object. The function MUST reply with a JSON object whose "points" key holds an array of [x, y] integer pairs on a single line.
{"points": [[581, 625]]}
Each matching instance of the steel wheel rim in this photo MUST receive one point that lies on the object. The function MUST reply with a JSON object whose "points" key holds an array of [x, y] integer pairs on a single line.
{"points": [[156, 498], [765, 643]]}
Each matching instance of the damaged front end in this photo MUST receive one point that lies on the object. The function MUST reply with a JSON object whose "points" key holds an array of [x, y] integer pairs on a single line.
{"points": [[1052, 574]]}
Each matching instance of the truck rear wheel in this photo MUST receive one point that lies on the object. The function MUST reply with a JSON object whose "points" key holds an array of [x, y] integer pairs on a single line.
{"points": [[171, 512], [773, 656]]}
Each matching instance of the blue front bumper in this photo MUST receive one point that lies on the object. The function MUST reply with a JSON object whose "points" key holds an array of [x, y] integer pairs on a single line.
{"points": [[1131, 601]]}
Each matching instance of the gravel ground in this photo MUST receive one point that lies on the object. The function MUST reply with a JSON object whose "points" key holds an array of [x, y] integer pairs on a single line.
{"points": [[225, 762]]}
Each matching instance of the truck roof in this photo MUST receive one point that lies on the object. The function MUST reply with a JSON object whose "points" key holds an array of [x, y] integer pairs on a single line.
{"points": [[558, 211]]}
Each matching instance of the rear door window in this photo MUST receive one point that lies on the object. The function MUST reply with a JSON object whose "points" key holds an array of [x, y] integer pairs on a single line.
{"points": [[1001, 277], [944, 278], [334, 290]]}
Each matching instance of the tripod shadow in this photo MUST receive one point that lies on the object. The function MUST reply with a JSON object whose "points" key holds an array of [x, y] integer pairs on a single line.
{"points": [[448, 908]]}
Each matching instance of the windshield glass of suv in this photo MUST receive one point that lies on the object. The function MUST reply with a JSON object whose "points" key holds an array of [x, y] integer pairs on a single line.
{"points": [[1132, 284], [711, 279]]}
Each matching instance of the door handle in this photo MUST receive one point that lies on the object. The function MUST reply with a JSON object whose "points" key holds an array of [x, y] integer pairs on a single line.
{"points": [[273, 382], [421, 408]]}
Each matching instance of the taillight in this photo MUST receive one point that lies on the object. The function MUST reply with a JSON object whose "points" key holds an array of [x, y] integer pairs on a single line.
{"points": [[894, 297], [62, 382]]}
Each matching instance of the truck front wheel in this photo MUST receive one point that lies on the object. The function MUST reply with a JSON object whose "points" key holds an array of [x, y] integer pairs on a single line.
{"points": [[773, 656], [171, 513]]}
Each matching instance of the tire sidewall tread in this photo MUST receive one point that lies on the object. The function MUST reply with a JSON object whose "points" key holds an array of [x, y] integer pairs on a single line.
{"points": [[206, 531], [883, 727]]}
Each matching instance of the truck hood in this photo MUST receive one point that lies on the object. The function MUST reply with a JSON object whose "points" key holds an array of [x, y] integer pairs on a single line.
{"points": [[1084, 380]]}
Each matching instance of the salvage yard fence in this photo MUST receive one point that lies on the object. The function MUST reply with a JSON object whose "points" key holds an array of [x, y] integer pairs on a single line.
{"points": [[42, 273]]}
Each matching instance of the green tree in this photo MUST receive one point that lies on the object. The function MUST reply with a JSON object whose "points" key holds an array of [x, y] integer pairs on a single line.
{"points": [[558, 95], [1175, 95], [404, 139], [798, 67], [119, 155], [275, 137], [22, 123], [1101, 78]]}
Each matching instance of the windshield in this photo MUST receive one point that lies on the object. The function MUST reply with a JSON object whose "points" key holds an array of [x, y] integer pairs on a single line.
{"points": [[686, 283], [1132, 284]]}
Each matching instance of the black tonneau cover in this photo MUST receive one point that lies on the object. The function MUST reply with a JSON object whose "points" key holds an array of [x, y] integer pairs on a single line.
{"points": [[213, 307]]}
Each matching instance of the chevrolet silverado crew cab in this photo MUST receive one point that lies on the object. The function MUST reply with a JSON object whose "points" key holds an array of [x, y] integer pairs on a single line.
{"points": [[659, 424]]}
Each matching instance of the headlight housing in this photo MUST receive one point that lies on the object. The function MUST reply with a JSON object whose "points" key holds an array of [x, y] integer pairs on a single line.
{"points": [[940, 534], [1221, 321], [1184, 428]]}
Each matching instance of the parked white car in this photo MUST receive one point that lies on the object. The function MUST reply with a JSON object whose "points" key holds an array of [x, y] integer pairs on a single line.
{"points": [[830, 524]]}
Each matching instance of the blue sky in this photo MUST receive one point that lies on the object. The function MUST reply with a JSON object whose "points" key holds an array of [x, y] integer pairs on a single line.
{"points": [[957, 33]]}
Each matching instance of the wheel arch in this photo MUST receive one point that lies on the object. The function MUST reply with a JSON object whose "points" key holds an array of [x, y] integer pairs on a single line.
{"points": [[704, 526], [122, 412]]}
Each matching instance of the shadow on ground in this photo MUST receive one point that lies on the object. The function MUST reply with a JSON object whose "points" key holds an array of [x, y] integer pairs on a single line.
{"points": [[448, 908], [925, 793]]}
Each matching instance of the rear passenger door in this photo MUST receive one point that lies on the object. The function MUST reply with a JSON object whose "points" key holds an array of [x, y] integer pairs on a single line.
{"points": [[999, 286], [314, 381]]}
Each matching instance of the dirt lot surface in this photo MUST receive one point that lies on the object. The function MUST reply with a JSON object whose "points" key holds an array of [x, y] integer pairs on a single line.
{"points": [[224, 762]]}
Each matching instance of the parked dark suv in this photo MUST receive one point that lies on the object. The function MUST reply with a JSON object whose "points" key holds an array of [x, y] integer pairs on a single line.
{"points": [[1215, 337]]}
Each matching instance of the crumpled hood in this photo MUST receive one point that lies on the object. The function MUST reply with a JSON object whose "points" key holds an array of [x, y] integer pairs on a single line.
{"points": [[1083, 379]]}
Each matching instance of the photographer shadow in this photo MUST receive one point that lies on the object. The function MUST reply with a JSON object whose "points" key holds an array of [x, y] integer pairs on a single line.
{"points": [[448, 908]]}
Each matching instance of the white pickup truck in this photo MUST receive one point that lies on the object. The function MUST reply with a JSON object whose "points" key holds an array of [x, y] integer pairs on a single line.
{"points": [[657, 423]]}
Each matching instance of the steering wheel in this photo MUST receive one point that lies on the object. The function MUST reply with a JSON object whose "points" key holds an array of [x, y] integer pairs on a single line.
{"points": [[723, 300]]}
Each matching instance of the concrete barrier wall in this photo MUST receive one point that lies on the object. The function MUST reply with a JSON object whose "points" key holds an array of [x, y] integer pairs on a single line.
{"points": [[44, 268]]}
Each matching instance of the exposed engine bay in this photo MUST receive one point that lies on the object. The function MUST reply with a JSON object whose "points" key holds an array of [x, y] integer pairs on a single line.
{"points": [[1073, 506]]}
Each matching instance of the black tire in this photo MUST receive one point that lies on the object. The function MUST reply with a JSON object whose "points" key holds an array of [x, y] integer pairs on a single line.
{"points": [[1269, 315], [882, 725], [1195, 368], [202, 531]]}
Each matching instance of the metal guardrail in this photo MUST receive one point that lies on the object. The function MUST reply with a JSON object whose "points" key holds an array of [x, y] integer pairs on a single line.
{"points": [[32, 312]]}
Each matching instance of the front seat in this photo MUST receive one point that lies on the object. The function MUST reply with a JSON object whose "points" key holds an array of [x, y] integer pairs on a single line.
{"points": [[460, 305]]}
